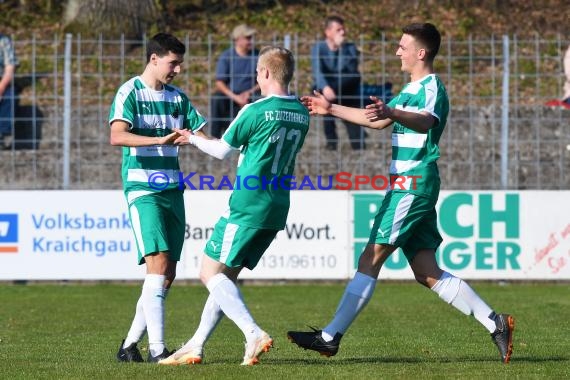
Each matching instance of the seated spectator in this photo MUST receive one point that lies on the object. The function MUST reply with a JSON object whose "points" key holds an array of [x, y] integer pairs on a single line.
{"points": [[235, 80]]}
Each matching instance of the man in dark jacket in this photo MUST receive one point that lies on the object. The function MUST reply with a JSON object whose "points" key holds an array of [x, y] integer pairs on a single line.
{"points": [[336, 76]]}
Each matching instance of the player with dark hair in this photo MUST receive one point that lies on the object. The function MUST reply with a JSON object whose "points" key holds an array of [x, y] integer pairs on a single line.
{"points": [[143, 116], [407, 218]]}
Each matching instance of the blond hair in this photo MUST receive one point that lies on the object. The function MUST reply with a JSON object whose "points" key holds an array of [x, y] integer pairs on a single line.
{"points": [[279, 62]]}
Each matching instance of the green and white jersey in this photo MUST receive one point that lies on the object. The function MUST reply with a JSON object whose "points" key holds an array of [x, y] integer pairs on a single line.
{"points": [[152, 113], [270, 133], [413, 153]]}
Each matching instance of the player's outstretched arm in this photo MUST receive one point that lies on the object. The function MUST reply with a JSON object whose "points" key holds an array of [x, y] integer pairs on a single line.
{"points": [[120, 136], [214, 147], [319, 105]]}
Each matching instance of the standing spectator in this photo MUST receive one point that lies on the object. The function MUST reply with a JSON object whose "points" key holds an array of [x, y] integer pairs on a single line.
{"points": [[235, 79], [336, 76], [8, 63], [143, 115]]}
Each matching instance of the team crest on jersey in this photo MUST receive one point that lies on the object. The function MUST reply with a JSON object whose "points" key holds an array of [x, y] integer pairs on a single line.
{"points": [[398, 128]]}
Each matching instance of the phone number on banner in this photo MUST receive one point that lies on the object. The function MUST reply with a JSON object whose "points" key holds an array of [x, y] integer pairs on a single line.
{"points": [[298, 261]]}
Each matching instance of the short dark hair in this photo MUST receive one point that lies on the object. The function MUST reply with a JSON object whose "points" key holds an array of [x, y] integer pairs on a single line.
{"points": [[163, 43], [427, 35], [330, 19]]}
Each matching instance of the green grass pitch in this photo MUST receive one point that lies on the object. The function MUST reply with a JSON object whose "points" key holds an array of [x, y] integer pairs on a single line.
{"points": [[72, 331]]}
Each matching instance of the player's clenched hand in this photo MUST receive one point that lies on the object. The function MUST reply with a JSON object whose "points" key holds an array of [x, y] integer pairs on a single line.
{"points": [[182, 136], [317, 104], [378, 110]]}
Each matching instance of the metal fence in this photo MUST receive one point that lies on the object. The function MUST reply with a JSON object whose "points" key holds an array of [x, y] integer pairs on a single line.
{"points": [[499, 133]]}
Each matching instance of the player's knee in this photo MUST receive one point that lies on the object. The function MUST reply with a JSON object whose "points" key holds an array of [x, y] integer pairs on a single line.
{"points": [[422, 279], [426, 278], [373, 258], [366, 260]]}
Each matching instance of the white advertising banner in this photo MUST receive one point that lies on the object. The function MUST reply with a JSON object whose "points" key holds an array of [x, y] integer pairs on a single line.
{"points": [[66, 235], [489, 234], [313, 245], [86, 235]]}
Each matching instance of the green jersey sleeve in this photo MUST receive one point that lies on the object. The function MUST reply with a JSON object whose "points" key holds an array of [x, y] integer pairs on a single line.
{"points": [[193, 118], [241, 128], [124, 106]]}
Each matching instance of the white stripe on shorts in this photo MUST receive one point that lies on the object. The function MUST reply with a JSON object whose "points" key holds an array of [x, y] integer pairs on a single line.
{"points": [[136, 224], [229, 234], [400, 215]]}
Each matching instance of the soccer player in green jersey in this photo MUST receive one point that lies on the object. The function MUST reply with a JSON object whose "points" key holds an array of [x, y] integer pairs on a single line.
{"points": [[407, 217], [268, 133], [143, 116]]}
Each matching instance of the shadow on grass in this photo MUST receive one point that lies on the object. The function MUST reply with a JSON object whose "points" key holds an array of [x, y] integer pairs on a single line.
{"points": [[389, 359]]}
